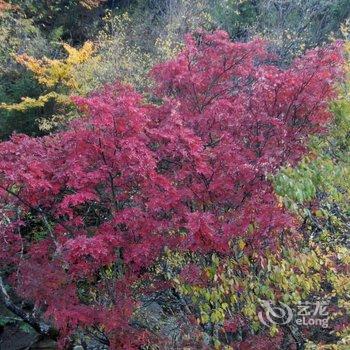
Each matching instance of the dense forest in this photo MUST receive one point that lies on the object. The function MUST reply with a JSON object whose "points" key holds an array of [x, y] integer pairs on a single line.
{"points": [[174, 174]]}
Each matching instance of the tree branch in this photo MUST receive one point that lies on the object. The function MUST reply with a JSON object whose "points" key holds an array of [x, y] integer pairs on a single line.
{"points": [[40, 326]]}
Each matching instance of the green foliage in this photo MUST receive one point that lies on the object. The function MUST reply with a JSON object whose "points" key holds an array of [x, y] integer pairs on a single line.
{"points": [[296, 25], [118, 57], [292, 26], [235, 16], [73, 21], [237, 286], [9, 319], [18, 34], [323, 175], [132, 41]]}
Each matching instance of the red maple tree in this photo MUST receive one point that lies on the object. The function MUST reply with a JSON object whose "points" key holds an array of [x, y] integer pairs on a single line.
{"points": [[130, 178]]}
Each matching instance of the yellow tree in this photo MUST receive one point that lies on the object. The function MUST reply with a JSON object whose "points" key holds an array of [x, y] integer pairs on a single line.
{"points": [[56, 77]]}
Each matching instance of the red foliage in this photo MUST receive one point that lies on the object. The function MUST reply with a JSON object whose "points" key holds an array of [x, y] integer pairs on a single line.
{"points": [[130, 178]]}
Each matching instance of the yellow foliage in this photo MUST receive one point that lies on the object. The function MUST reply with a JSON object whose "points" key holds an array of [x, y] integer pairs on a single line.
{"points": [[50, 72], [76, 56], [28, 102], [237, 284], [90, 4], [57, 75]]}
